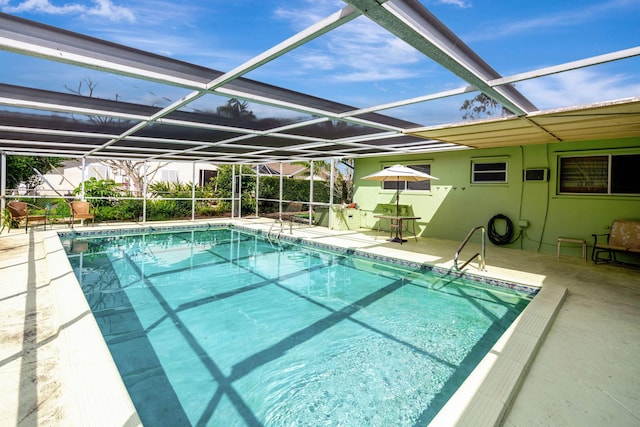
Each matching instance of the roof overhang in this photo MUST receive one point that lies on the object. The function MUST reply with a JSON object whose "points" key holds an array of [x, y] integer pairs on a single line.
{"points": [[607, 120]]}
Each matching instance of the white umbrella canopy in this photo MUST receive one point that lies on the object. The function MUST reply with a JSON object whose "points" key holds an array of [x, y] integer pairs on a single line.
{"points": [[399, 173]]}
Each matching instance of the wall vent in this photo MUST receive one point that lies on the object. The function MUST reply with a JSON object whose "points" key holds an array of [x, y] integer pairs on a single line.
{"points": [[536, 174]]}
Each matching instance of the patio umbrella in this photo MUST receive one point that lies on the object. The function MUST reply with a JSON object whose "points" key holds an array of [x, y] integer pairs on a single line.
{"points": [[399, 173]]}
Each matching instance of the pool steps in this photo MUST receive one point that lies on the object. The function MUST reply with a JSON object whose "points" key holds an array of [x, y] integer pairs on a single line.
{"points": [[487, 394]]}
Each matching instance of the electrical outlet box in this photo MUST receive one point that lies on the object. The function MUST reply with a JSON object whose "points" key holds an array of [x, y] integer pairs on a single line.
{"points": [[523, 223]]}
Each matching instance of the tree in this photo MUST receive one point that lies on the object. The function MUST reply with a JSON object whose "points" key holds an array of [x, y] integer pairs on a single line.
{"points": [[343, 187], [343, 183], [482, 106], [133, 170], [223, 182], [222, 186], [319, 166], [89, 86], [235, 109], [20, 170], [106, 191]]}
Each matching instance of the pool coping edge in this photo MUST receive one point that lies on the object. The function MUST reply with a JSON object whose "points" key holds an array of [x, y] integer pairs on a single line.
{"points": [[487, 394], [93, 387]]}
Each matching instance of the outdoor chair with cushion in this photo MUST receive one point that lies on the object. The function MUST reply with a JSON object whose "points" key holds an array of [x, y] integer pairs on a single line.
{"points": [[293, 209], [20, 210], [81, 210], [294, 212], [623, 237]]}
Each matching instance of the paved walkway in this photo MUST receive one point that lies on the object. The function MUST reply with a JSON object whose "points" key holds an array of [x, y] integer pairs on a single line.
{"points": [[586, 373], [29, 376]]}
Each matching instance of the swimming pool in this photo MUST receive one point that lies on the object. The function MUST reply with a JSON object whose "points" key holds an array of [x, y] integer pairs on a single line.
{"points": [[224, 327]]}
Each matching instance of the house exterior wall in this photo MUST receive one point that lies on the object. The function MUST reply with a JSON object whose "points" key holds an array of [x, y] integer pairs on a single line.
{"points": [[70, 175], [454, 205]]}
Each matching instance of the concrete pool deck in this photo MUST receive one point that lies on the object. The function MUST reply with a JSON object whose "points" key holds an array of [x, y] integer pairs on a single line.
{"points": [[584, 373]]}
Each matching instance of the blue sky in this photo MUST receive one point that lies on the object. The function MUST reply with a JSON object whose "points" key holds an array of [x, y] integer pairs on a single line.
{"points": [[358, 64]]}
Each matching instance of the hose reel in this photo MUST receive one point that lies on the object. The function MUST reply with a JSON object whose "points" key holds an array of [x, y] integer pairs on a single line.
{"points": [[497, 238]]}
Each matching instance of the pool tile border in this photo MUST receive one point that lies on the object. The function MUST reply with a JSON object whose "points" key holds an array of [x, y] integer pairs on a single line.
{"points": [[527, 289], [409, 264]]}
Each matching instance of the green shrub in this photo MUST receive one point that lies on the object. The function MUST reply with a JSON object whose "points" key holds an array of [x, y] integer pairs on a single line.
{"points": [[129, 209], [106, 213], [159, 210], [105, 189], [207, 210], [61, 209]]}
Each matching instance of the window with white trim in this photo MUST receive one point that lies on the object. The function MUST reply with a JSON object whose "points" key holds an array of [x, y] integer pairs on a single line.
{"points": [[169, 175], [485, 172], [600, 174], [410, 185]]}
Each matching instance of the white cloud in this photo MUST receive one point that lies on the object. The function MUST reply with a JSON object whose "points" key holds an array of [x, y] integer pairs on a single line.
{"points": [[105, 8], [43, 6], [309, 13], [574, 17], [359, 51], [460, 3], [373, 75], [578, 87], [168, 14], [100, 8], [316, 61]]}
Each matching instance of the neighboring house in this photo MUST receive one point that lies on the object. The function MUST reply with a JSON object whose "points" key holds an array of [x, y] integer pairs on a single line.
{"points": [[294, 171], [62, 181]]}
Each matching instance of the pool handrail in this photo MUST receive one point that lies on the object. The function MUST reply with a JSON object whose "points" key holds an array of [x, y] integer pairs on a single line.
{"points": [[481, 260]]}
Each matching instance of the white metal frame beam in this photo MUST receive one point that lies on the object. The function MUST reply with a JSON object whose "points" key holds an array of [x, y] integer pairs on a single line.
{"points": [[413, 23], [407, 19]]}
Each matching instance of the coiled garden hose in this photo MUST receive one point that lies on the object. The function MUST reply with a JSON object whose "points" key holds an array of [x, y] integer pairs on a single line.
{"points": [[494, 236]]}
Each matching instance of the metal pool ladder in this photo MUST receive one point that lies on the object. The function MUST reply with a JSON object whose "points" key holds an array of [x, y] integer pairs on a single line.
{"points": [[481, 260], [277, 221]]}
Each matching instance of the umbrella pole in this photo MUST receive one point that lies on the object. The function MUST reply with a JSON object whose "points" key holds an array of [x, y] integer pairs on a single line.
{"points": [[397, 221]]}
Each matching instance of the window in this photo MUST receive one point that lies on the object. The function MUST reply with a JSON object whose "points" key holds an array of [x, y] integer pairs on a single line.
{"points": [[604, 174], [169, 175], [625, 176], [489, 172], [206, 176], [410, 185]]}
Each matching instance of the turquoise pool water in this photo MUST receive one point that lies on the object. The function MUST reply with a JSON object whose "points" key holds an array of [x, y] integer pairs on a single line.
{"points": [[222, 327]]}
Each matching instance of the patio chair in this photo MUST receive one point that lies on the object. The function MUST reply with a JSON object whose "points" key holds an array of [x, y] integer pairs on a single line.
{"points": [[292, 209], [81, 210], [292, 213], [19, 211]]}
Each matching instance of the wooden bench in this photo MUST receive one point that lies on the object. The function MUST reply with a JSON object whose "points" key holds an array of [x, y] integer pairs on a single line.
{"points": [[623, 237]]}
